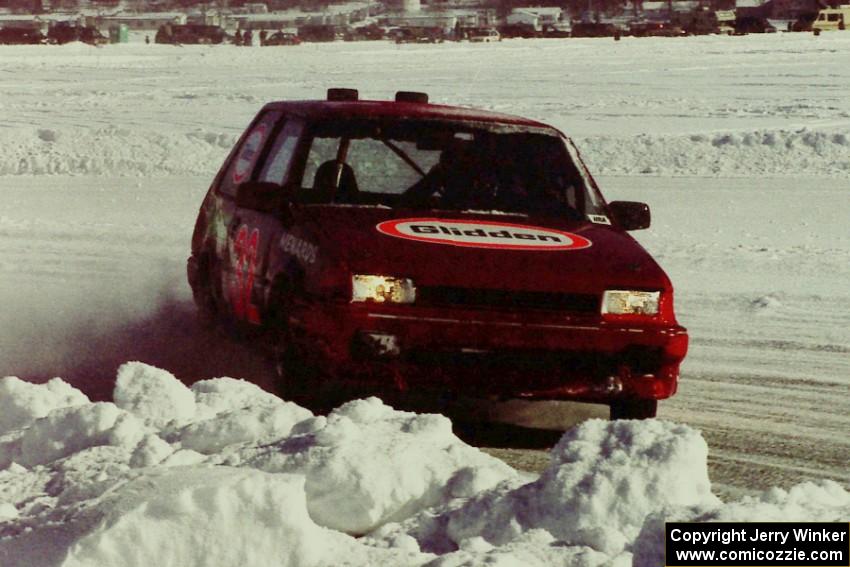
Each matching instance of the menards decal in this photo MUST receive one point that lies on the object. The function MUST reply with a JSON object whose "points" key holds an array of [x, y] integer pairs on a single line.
{"points": [[483, 234]]}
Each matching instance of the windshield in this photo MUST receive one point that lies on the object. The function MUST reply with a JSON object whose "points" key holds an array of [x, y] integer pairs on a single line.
{"points": [[443, 165]]}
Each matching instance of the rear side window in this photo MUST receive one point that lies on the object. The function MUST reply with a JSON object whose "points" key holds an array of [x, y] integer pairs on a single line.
{"points": [[278, 162], [242, 165]]}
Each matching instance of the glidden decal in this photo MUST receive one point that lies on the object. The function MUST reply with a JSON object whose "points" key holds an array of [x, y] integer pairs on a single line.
{"points": [[483, 234]]}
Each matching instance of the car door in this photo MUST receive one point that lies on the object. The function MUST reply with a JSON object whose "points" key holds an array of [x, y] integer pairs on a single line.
{"points": [[254, 231]]}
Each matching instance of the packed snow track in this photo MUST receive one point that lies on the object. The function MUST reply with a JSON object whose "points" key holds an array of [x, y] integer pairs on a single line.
{"points": [[94, 271]]}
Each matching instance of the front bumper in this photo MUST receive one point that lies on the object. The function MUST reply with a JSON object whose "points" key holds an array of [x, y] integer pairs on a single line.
{"points": [[532, 355]]}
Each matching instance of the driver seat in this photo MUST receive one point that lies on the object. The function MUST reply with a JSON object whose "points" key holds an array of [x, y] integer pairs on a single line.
{"points": [[324, 183]]}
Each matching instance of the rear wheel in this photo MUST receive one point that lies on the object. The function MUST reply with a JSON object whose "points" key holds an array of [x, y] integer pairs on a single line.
{"points": [[634, 409]]}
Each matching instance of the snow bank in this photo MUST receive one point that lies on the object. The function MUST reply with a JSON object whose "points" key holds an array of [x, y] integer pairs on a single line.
{"points": [[603, 480], [113, 151], [734, 153], [223, 394], [21, 403], [823, 501], [367, 464], [225, 474], [65, 431], [246, 425], [139, 152], [204, 517], [153, 395]]}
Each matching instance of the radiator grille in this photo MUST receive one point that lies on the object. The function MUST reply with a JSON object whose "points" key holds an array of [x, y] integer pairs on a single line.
{"points": [[507, 299]]}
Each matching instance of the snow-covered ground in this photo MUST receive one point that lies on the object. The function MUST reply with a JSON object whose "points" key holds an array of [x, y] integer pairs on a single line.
{"points": [[740, 145], [706, 105]]}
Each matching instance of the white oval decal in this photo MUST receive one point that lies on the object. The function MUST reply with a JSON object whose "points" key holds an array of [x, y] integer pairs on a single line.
{"points": [[249, 153], [483, 234]]}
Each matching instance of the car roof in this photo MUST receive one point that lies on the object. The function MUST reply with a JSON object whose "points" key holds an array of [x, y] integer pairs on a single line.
{"points": [[324, 109]]}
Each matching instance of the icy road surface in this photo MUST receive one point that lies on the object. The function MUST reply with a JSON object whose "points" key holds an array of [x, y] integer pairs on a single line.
{"points": [[92, 273]]}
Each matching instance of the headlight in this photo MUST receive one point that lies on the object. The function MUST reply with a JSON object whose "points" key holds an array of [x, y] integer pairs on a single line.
{"points": [[620, 302], [382, 289]]}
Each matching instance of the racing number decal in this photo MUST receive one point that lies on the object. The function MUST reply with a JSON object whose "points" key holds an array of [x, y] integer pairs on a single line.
{"points": [[245, 261]]}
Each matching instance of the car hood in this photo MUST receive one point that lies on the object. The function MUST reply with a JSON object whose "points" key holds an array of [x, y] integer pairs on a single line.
{"points": [[374, 240]]}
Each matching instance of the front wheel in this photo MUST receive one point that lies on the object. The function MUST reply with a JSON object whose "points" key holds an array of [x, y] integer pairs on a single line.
{"points": [[296, 377], [206, 294], [634, 409]]}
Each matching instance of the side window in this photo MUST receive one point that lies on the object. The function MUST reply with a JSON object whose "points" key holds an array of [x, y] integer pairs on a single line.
{"points": [[246, 157], [277, 164], [594, 203]]}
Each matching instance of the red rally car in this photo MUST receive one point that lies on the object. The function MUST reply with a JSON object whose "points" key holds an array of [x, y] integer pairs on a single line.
{"points": [[407, 246]]}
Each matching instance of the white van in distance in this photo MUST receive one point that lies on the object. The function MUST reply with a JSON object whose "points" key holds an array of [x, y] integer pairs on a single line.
{"points": [[832, 18]]}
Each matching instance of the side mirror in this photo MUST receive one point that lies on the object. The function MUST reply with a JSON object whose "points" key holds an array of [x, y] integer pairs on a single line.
{"points": [[630, 215], [260, 196]]}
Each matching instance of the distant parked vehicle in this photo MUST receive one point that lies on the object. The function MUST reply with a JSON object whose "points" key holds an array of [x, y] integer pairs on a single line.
{"points": [[518, 30], [752, 24], [594, 29], [804, 22], [65, 32], [725, 21], [655, 29], [21, 35], [190, 34], [283, 38], [365, 33], [318, 33], [557, 30], [484, 35], [700, 21], [92, 36], [61, 33], [831, 19], [419, 35]]}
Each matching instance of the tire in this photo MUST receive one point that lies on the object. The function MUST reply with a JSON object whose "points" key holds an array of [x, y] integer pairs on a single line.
{"points": [[297, 374], [293, 374], [634, 409], [206, 295]]}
